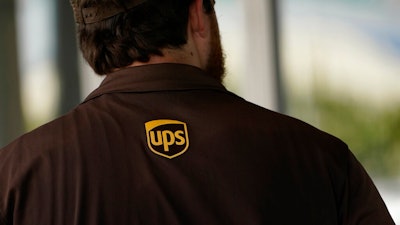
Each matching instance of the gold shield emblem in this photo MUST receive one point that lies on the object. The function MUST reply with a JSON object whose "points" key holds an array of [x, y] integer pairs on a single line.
{"points": [[167, 138]]}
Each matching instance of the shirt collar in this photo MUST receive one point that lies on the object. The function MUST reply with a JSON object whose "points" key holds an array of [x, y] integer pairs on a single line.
{"points": [[156, 77]]}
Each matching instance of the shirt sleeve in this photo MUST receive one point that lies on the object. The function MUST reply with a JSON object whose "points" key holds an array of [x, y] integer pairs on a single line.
{"points": [[362, 203], [2, 203]]}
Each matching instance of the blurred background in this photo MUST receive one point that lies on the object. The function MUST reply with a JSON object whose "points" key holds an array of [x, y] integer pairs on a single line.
{"points": [[334, 64]]}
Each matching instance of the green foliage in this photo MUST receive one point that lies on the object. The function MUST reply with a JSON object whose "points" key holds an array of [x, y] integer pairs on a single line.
{"points": [[372, 134]]}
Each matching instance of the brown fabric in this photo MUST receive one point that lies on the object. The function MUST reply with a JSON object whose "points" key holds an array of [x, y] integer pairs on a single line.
{"points": [[165, 144]]}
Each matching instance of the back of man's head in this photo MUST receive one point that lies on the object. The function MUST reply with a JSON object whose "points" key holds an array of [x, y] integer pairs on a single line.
{"points": [[115, 33]]}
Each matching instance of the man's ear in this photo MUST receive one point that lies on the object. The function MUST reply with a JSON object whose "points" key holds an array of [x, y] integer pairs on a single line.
{"points": [[198, 18]]}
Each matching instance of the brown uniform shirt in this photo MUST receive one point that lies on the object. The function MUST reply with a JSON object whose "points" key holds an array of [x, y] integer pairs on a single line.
{"points": [[166, 144]]}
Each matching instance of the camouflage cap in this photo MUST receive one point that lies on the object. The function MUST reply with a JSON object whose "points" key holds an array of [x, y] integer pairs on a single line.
{"points": [[102, 11]]}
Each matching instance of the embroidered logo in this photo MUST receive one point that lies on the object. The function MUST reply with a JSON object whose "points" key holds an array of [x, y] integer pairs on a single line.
{"points": [[167, 138]]}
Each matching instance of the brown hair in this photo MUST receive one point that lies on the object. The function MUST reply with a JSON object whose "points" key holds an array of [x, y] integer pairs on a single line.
{"points": [[133, 35]]}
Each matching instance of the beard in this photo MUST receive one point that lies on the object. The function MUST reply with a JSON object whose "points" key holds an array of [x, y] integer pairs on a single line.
{"points": [[215, 66]]}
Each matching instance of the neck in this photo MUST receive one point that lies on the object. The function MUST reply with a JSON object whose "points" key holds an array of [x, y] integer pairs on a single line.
{"points": [[170, 56], [187, 54]]}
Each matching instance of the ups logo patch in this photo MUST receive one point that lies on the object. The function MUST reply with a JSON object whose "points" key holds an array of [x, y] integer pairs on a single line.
{"points": [[167, 138]]}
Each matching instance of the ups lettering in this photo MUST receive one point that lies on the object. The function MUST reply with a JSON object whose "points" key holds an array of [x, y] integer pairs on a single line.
{"points": [[167, 138]]}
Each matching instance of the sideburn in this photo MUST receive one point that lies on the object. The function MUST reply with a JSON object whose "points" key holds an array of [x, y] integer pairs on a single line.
{"points": [[216, 61]]}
